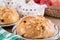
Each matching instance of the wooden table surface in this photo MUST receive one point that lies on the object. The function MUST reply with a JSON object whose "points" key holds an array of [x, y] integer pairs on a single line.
{"points": [[54, 20]]}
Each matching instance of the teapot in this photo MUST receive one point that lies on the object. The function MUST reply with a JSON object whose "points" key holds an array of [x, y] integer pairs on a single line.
{"points": [[31, 8]]}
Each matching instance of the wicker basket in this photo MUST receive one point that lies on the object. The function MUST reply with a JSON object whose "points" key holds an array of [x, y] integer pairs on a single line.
{"points": [[52, 11]]}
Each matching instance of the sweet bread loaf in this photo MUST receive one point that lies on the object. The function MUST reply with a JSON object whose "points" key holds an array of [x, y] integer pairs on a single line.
{"points": [[35, 27], [8, 15]]}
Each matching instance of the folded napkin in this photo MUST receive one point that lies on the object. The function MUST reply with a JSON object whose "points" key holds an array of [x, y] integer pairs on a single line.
{"points": [[4, 35]]}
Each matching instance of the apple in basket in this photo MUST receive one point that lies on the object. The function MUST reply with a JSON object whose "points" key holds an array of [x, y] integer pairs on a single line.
{"points": [[37, 1], [56, 3], [47, 2]]}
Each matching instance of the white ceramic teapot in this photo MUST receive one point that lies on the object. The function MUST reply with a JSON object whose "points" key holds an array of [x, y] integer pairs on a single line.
{"points": [[31, 8], [13, 3]]}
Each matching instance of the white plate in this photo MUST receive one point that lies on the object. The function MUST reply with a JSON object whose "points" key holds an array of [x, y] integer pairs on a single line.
{"points": [[56, 35], [7, 25]]}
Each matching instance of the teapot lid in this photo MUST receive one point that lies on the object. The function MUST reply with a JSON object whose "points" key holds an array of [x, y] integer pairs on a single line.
{"points": [[31, 2]]}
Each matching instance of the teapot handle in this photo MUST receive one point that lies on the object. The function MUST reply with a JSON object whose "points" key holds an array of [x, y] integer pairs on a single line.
{"points": [[27, 1]]}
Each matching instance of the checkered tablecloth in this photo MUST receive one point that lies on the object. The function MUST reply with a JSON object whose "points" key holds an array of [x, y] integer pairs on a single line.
{"points": [[4, 35]]}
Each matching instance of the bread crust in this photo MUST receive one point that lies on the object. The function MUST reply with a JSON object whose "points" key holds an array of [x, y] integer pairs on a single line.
{"points": [[35, 27], [8, 15]]}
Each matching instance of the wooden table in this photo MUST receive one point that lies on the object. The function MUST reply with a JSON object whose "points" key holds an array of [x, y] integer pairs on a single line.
{"points": [[54, 20]]}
